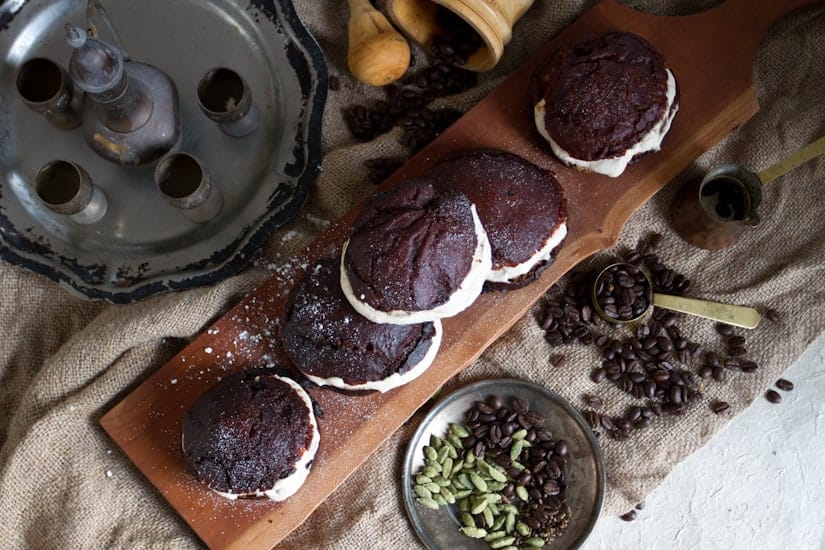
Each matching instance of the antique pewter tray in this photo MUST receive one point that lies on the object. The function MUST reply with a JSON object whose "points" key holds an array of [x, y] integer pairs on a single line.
{"points": [[144, 246]]}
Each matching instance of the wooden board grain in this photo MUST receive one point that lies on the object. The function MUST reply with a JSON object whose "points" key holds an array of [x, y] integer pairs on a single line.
{"points": [[711, 54]]}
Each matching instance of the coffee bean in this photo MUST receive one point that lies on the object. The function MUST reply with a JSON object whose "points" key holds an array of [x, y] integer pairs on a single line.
{"points": [[731, 363], [593, 418], [674, 409], [784, 385], [622, 424], [713, 359], [592, 401], [773, 315], [598, 375], [773, 396], [381, 168], [495, 433], [718, 374], [495, 402], [735, 340], [724, 329], [737, 351], [719, 407], [748, 366], [629, 516], [519, 405], [534, 418]]}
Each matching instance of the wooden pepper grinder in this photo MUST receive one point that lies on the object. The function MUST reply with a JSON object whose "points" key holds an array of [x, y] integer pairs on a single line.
{"points": [[378, 55]]}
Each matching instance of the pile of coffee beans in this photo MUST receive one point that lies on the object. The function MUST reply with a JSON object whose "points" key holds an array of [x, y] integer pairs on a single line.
{"points": [[457, 41], [381, 168], [623, 292], [407, 99], [421, 126], [504, 470], [535, 462], [407, 103], [662, 370]]}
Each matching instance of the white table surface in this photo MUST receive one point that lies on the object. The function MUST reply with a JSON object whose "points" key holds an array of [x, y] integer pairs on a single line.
{"points": [[759, 484]]}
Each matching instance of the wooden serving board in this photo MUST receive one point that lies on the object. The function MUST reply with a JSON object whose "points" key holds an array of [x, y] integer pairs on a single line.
{"points": [[711, 54]]}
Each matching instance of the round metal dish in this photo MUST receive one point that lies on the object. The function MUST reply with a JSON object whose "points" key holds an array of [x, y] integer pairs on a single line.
{"points": [[143, 245], [439, 529]]}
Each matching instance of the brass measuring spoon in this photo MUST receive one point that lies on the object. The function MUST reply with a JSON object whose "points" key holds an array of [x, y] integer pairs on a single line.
{"points": [[712, 212], [623, 293]]}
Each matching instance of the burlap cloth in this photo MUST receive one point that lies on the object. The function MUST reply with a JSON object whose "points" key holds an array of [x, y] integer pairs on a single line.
{"points": [[65, 361]]}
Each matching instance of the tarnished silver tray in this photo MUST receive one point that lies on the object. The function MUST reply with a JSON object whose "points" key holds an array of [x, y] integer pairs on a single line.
{"points": [[144, 246]]}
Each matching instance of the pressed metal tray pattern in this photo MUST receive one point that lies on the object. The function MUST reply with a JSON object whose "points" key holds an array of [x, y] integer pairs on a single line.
{"points": [[711, 54]]}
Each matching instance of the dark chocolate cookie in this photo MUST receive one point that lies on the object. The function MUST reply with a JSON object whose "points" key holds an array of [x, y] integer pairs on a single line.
{"points": [[520, 205], [327, 339], [410, 249], [602, 95], [247, 432]]}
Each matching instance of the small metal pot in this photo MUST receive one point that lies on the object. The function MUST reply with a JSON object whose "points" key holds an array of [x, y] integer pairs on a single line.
{"points": [[712, 212]]}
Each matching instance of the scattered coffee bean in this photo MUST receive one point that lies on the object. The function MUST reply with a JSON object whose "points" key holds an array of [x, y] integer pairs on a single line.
{"points": [[748, 366], [773, 316], [784, 385], [641, 505], [773, 396], [724, 329], [557, 359], [382, 167], [421, 126], [334, 83], [592, 401], [629, 516], [719, 407], [735, 340]]}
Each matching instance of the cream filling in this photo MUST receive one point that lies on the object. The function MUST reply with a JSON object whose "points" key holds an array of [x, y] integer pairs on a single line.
{"points": [[507, 273], [289, 485], [614, 166], [461, 299], [395, 379]]}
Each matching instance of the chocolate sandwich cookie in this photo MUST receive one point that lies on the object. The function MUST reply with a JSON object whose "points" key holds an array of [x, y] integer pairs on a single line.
{"points": [[252, 434], [603, 101], [414, 255], [521, 206], [332, 344]]}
